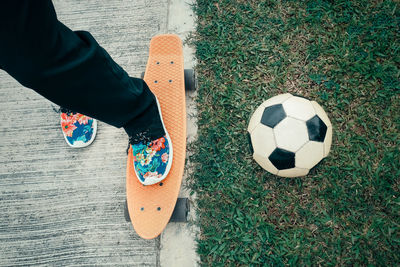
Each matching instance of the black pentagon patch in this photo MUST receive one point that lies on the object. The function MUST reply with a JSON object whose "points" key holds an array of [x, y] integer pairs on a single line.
{"points": [[273, 115], [282, 159], [316, 129], [250, 143]]}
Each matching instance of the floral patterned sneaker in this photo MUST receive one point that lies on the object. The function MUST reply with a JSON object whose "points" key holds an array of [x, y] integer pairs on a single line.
{"points": [[152, 160], [79, 130]]}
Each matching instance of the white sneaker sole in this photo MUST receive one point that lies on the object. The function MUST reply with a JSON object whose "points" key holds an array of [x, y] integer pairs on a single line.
{"points": [[80, 144]]}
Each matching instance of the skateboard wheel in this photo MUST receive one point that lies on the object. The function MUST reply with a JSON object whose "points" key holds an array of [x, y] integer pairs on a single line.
{"points": [[190, 80], [142, 75], [181, 210], [126, 211]]}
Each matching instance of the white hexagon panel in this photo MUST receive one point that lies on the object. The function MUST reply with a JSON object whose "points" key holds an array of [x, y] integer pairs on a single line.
{"points": [[291, 134], [262, 138], [256, 118], [328, 141], [263, 142], [278, 99], [299, 108], [309, 155], [294, 172]]}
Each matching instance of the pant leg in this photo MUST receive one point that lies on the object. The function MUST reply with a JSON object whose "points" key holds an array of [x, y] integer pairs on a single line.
{"points": [[71, 69]]}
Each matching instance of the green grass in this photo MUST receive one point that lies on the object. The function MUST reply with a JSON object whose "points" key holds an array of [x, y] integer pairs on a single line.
{"points": [[346, 56]]}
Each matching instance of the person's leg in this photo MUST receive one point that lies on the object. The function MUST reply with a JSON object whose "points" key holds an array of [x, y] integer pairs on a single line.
{"points": [[72, 70]]}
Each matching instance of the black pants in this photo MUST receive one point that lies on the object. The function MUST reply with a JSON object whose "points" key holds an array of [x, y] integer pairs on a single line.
{"points": [[71, 69]]}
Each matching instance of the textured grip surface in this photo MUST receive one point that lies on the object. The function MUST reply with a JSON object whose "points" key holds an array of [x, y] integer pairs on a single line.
{"points": [[150, 207]]}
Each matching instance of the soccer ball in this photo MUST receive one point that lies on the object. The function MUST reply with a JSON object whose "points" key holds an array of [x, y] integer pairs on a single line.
{"points": [[289, 135]]}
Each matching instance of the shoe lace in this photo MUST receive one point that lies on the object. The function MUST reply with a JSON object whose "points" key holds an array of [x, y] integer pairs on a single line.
{"points": [[65, 110], [141, 137]]}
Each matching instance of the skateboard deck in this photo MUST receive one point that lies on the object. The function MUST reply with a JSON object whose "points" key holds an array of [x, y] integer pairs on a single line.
{"points": [[150, 207]]}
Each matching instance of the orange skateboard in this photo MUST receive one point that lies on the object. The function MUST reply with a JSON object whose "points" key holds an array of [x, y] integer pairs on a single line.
{"points": [[150, 207]]}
